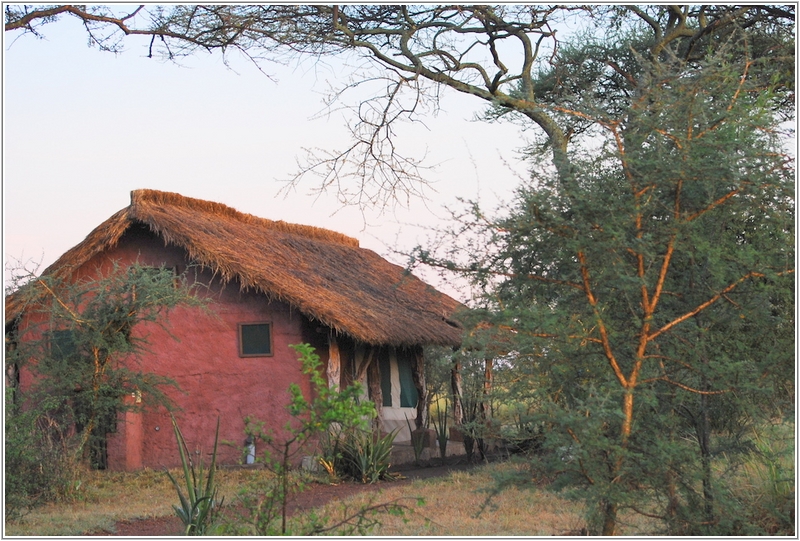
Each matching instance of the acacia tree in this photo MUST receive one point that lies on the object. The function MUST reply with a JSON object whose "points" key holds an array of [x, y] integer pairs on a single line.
{"points": [[411, 53], [646, 283], [80, 339]]}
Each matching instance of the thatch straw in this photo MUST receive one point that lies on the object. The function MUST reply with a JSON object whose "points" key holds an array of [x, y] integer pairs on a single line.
{"points": [[324, 274]]}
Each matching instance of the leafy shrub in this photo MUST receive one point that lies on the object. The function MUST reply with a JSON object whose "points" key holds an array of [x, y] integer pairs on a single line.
{"points": [[417, 441], [524, 438], [330, 410], [771, 488], [38, 468]]}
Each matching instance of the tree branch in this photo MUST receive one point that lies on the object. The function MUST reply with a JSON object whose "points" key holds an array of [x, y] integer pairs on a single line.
{"points": [[612, 361], [711, 301]]}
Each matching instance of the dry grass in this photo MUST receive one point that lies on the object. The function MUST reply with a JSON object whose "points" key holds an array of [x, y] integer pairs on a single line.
{"points": [[105, 498], [451, 505], [457, 505]]}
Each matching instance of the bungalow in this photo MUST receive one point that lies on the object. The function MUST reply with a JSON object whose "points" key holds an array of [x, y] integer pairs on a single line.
{"points": [[273, 284]]}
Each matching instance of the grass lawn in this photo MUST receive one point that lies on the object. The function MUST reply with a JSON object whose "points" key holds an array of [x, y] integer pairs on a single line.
{"points": [[103, 498]]}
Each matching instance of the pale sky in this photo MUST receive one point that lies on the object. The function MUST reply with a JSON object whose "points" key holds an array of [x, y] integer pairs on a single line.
{"points": [[82, 128]]}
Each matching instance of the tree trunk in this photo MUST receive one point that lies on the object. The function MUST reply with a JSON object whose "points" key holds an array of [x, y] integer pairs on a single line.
{"points": [[609, 519], [334, 371], [488, 376], [704, 438], [375, 392], [455, 384], [418, 373], [369, 356]]}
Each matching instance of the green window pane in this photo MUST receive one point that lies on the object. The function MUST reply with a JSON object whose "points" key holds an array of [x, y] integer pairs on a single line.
{"points": [[255, 339], [408, 392], [62, 344]]}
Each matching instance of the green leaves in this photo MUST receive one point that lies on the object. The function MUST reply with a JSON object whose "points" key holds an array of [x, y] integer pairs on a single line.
{"points": [[330, 411], [328, 406], [77, 337], [199, 507], [365, 455], [641, 296]]}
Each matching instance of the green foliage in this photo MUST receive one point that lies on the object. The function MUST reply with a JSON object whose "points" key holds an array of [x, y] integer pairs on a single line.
{"points": [[417, 441], [38, 466], [768, 491], [339, 417], [438, 363], [199, 508], [364, 455], [641, 292], [442, 430], [361, 521], [475, 427], [77, 339]]}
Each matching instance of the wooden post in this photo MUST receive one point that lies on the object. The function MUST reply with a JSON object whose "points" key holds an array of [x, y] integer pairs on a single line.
{"points": [[369, 355], [374, 385], [455, 384], [334, 371], [418, 374], [487, 389]]}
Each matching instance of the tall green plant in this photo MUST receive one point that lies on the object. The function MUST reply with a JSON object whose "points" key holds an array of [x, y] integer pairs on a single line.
{"points": [[642, 289], [343, 409], [442, 430], [417, 441], [366, 455], [199, 508]]}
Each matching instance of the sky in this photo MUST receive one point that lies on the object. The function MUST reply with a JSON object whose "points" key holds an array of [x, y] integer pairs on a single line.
{"points": [[82, 128]]}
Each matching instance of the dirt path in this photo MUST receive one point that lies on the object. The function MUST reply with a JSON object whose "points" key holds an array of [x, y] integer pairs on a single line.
{"points": [[315, 496]]}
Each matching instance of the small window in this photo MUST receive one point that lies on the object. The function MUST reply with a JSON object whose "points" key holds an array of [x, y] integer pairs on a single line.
{"points": [[255, 340], [63, 346]]}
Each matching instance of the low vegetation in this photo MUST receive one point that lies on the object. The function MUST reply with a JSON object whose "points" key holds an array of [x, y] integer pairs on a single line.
{"points": [[465, 503], [461, 503], [452, 505]]}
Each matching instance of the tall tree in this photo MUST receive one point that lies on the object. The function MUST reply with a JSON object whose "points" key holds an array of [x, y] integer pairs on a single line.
{"points": [[645, 280]]}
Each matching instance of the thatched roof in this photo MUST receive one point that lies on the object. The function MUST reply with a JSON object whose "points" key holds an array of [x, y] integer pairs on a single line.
{"points": [[324, 274]]}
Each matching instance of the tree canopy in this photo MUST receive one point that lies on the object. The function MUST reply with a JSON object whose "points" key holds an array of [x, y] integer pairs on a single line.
{"points": [[642, 289], [495, 53]]}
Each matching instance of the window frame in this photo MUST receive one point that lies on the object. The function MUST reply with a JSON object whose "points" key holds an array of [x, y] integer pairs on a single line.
{"points": [[240, 344]]}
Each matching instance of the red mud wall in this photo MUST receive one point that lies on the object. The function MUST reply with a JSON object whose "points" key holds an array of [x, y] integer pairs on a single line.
{"points": [[214, 381]]}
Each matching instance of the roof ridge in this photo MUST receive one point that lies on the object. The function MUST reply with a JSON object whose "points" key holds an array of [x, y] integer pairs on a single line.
{"points": [[143, 197]]}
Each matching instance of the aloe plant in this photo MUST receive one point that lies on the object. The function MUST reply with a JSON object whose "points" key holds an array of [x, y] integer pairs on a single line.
{"points": [[199, 508], [367, 455], [417, 441], [441, 431]]}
